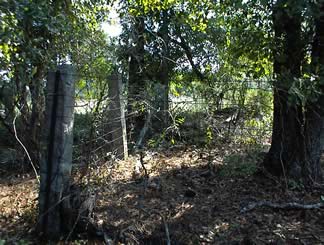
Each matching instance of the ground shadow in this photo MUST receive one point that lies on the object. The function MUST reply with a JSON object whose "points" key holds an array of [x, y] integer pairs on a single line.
{"points": [[189, 200], [197, 205]]}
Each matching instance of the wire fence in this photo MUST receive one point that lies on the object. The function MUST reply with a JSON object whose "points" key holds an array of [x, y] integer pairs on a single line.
{"points": [[194, 119], [239, 112]]}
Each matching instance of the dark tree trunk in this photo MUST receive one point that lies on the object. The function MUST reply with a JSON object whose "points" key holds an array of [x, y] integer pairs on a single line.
{"points": [[315, 110], [295, 147], [312, 146]]}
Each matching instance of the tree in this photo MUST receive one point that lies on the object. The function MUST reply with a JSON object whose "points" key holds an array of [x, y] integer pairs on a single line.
{"points": [[163, 74], [154, 52], [136, 77], [298, 116], [28, 37]]}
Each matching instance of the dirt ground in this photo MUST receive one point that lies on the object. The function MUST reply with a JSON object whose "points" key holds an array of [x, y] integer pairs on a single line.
{"points": [[186, 196]]}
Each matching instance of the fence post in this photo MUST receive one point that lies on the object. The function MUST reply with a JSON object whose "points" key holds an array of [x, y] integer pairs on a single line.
{"points": [[116, 117], [55, 169]]}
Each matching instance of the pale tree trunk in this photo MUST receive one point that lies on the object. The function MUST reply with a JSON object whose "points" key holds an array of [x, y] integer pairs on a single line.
{"points": [[163, 77], [136, 82], [116, 125], [33, 137]]}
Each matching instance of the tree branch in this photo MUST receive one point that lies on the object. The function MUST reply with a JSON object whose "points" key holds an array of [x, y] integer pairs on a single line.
{"points": [[189, 55], [285, 206]]}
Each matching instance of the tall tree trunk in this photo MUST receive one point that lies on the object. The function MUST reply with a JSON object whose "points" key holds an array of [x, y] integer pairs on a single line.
{"points": [[295, 147], [136, 82], [315, 110], [33, 138], [162, 90]]}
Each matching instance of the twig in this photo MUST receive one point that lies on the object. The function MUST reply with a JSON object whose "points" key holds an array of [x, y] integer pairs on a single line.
{"points": [[25, 149], [141, 153], [286, 206], [167, 233]]}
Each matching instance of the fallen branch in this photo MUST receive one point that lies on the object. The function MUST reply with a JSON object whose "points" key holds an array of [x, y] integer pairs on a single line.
{"points": [[285, 206]]}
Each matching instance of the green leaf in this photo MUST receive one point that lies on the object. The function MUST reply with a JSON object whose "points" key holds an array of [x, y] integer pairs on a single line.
{"points": [[34, 71]]}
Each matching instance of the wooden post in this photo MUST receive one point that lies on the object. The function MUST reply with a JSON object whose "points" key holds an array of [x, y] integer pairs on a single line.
{"points": [[56, 164], [116, 117]]}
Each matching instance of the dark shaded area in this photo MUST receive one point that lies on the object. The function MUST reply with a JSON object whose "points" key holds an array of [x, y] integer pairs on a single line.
{"points": [[200, 203], [211, 206]]}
